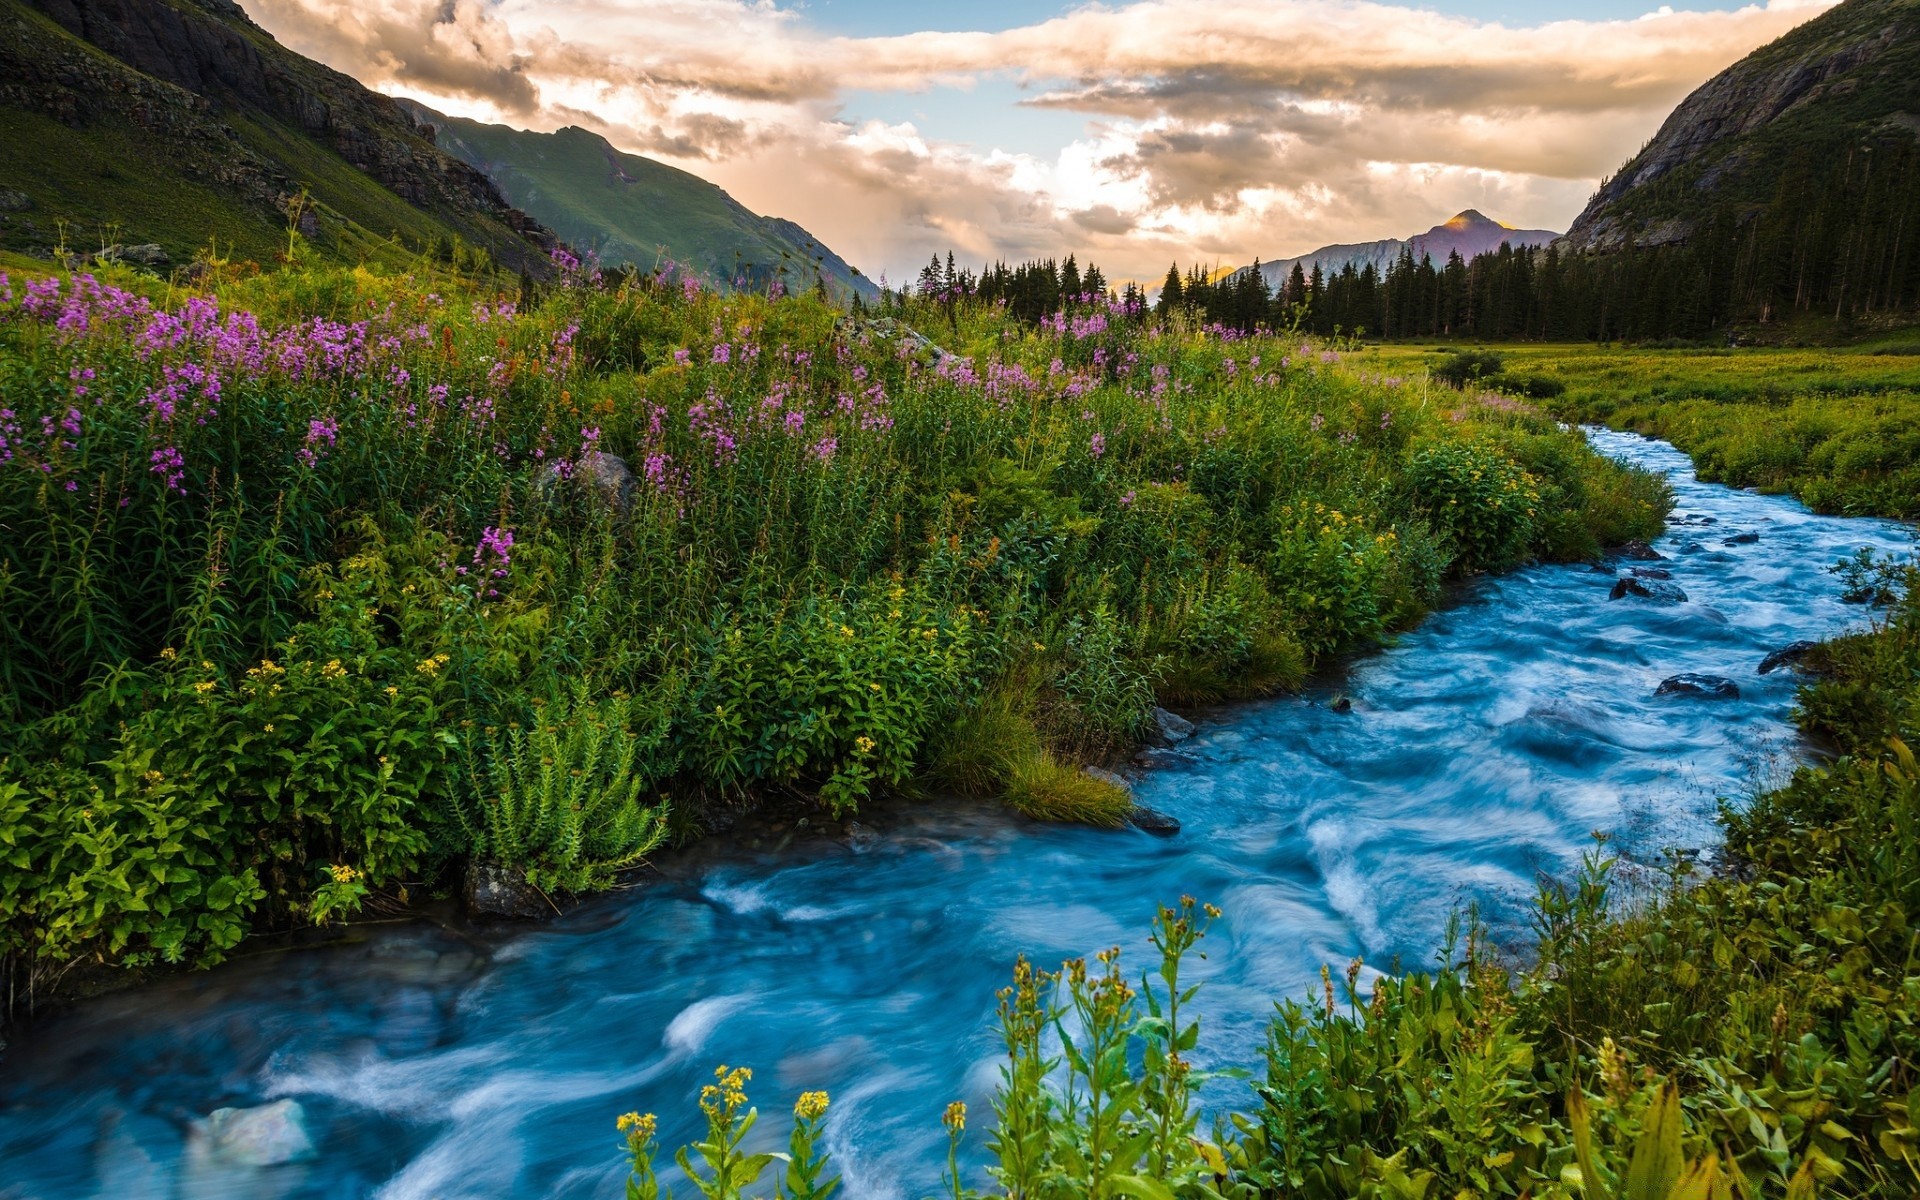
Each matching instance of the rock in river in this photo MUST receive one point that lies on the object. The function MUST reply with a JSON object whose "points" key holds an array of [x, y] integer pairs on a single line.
{"points": [[1710, 687], [253, 1137], [1638, 551], [1790, 655], [1169, 729], [1151, 820], [1648, 589]]}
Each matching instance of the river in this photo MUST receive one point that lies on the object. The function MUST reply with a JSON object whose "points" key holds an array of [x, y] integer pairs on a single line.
{"points": [[1480, 752]]}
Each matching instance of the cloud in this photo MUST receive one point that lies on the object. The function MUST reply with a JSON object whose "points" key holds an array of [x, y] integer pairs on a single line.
{"points": [[1209, 128]]}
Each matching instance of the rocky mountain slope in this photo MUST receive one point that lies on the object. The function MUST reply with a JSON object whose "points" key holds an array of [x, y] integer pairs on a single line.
{"points": [[1843, 85], [1468, 233], [630, 209], [180, 121]]}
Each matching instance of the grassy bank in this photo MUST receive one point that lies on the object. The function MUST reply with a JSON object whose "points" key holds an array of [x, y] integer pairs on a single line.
{"points": [[318, 585], [1755, 1033], [1838, 428]]}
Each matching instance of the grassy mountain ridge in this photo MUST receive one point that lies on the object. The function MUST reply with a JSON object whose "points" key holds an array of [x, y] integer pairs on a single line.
{"points": [[629, 209], [180, 121]]}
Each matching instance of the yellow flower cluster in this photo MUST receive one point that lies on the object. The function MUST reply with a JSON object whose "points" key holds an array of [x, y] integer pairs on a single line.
{"points": [[431, 666], [333, 669], [204, 686], [719, 1100], [955, 1118], [266, 670], [639, 1127], [342, 873], [863, 744], [811, 1106]]}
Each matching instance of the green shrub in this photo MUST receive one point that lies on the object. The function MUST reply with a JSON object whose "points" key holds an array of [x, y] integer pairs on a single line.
{"points": [[1478, 498], [1469, 366]]}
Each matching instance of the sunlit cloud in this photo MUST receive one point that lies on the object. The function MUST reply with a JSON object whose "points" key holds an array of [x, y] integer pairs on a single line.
{"points": [[1209, 129]]}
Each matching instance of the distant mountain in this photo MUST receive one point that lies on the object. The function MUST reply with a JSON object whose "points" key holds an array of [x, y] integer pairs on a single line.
{"points": [[1795, 126], [1469, 233], [177, 122], [629, 209]]}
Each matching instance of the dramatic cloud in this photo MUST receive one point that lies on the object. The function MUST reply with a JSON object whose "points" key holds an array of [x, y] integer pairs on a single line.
{"points": [[1217, 129]]}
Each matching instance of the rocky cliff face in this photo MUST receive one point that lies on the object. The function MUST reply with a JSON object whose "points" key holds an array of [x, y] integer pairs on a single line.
{"points": [[1853, 72], [232, 109]]}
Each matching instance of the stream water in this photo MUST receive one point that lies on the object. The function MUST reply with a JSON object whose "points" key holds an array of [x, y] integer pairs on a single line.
{"points": [[1480, 751]]}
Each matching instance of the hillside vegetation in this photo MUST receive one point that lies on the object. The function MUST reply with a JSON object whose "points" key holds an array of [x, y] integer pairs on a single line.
{"points": [[315, 581]]}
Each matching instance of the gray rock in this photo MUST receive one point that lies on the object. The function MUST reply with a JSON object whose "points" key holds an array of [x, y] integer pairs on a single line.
{"points": [[889, 331], [1648, 589], [12, 200], [1106, 776], [1692, 548], [1169, 729], [1341, 704], [1742, 539], [1790, 655], [1637, 551], [1707, 687], [497, 894], [253, 1137], [1151, 820], [149, 255], [1650, 573], [605, 477]]}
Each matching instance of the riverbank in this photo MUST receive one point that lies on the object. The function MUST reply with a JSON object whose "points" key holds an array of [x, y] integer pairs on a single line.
{"points": [[328, 586]]}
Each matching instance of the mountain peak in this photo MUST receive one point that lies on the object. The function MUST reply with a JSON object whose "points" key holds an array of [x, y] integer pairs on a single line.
{"points": [[1471, 218]]}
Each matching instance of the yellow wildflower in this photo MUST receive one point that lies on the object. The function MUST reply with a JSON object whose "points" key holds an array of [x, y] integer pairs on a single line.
{"points": [[342, 873], [392, 691], [204, 686], [333, 669], [811, 1106], [167, 654], [863, 744], [955, 1118]]}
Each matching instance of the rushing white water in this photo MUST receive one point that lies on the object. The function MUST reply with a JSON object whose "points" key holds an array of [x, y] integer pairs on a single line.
{"points": [[1480, 752]]}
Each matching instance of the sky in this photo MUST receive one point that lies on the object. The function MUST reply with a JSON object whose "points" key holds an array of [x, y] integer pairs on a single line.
{"points": [[1133, 134]]}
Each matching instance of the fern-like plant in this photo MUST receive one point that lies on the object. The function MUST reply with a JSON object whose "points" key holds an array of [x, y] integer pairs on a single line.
{"points": [[560, 799]]}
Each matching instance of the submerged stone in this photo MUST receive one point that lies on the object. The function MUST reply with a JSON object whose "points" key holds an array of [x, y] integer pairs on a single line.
{"points": [[1742, 539], [1648, 589], [1152, 820], [253, 1137], [1709, 687]]}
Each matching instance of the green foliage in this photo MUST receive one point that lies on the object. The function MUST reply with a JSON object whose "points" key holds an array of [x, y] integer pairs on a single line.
{"points": [[1468, 366], [837, 568], [1480, 500], [559, 799]]}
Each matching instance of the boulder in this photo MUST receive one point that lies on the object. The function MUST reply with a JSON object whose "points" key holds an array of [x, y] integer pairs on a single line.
{"points": [[497, 894], [892, 332], [1106, 776], [1151, 820], [1341, 704], [1650, 573], [1742, 539], [149, 255], [1790, 655], [606, 478], [14, 201], [1648, 589], [1692, 548], [1169, 729], [253, 1137], [1637, 551], [1709, 687]]}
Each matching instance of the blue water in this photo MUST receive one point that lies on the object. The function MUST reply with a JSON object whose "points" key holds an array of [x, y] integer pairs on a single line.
{"points": [[1480, 753]]}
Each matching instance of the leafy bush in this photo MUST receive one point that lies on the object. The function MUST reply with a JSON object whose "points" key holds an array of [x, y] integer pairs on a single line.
{"points": [[1478, 498], [1468, 366]]}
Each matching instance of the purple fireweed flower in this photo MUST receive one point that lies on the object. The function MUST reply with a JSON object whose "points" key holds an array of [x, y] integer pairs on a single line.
{"points": [[322, 433], [1097, 445], [171, 466], [824, 449], [682, 357], [494, 553]]}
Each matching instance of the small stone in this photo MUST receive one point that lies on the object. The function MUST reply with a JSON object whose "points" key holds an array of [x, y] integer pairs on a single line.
{"points": [[1790, 655], [1638, 551], [254, 1137], [1707, 687], [498, 894], [1169, 729], [12, 200], [1340, 704], [1152, 820], [1650, 589], [1692, 548], [1742, 539]]}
